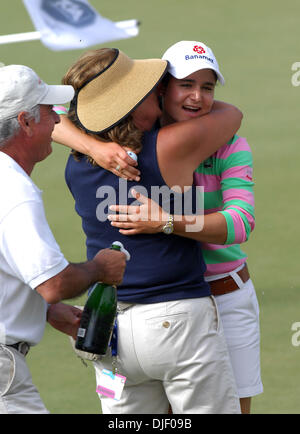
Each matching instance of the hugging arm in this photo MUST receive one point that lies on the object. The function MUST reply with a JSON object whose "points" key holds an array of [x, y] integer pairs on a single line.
{"points": [[150, 218], [107, 154], [232, 224], [182, 146]]}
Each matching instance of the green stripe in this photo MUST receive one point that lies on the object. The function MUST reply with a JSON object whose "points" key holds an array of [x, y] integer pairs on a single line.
{"points": [[230, 228], [246, 223], [239, 183], [240, 158], [233, 140], [239, 212], [241, 203], [227, 254], [213, 199], [230, 225], [219, 165]]}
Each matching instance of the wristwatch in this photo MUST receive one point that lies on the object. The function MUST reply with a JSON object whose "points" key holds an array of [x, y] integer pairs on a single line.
{"points": [[168, 228]]}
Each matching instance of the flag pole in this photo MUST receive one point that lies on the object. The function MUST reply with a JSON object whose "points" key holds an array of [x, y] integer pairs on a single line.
{"points": [[129, 25], [19, 37]]}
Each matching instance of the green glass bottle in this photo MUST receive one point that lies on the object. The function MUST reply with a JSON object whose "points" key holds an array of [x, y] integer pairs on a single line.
{"points": [[98, 316]]}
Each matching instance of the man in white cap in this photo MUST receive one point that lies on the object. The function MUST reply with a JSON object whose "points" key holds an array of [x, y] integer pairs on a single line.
{"points": [[33, 270]]}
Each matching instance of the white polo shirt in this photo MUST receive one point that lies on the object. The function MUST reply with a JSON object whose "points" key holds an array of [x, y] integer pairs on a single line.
{"points": [[29, 255]]}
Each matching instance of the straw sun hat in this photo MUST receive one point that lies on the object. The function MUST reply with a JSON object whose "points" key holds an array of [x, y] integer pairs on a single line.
{"points": [[115, 92]]}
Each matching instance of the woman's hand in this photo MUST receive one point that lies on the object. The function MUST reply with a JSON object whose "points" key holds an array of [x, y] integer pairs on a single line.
{"points": [[147, 218], [114, 158], [108, 155]]}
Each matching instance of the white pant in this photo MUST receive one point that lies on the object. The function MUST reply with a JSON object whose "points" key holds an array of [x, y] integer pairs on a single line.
{"points": [[239, 313], [18, 395], [173, 352]]}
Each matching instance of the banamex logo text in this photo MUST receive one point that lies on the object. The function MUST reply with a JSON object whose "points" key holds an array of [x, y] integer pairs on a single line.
{"points": [[200, 54]]}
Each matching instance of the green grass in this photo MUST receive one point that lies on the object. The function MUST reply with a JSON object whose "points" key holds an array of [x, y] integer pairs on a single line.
{"points": [[256, 44], [66, 385]]}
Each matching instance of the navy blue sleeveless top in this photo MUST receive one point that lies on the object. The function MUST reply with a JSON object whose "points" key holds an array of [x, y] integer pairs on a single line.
{"points": [[162, 267]]}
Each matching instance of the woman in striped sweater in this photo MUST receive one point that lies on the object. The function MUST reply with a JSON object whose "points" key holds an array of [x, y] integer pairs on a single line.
{"points": [[227, 181]]}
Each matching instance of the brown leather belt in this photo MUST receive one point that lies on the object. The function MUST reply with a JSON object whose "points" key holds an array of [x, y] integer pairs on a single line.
{"points": [[227, 284]]}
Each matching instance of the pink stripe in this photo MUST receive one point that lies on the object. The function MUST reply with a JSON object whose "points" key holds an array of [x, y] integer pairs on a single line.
{"points": [[239, 230], [243, 172], [212, 182], [209, 182], [60, 108], [249, 217], [241, 194], [224, 267], [240, 145], [209, 246], [240, 235]]}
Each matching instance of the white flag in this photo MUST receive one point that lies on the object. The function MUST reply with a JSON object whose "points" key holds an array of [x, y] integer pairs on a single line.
{"points": [[72, 24]]}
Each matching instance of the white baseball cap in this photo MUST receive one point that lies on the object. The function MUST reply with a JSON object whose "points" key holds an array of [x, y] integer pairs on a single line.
{"points": [[21, 89], [186, 57]]}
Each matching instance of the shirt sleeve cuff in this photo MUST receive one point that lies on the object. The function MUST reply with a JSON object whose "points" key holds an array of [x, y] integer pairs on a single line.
{"points": [[230, 227], [48, 274]]}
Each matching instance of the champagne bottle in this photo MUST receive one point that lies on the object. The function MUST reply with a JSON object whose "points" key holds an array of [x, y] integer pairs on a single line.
{"points": [[98, 316]]}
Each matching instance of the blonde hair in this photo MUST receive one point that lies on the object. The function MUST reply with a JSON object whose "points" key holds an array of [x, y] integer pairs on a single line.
{"points": [[87, 67]]}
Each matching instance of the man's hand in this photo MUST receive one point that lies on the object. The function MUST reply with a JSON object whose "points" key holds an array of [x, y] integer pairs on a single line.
{"points": [[111, 264], [64, 318]]}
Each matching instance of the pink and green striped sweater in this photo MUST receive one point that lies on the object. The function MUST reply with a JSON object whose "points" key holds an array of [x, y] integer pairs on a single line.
{"points": [[228, 188]]}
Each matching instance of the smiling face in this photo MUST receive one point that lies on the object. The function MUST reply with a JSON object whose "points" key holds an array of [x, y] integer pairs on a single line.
{"points": [[190, 97], [40, 135]]}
